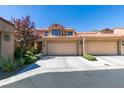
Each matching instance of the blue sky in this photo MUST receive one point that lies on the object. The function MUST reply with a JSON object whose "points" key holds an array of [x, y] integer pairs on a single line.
{"points": [[82, 18]]}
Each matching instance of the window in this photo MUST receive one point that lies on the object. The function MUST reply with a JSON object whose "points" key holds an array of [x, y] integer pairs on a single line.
{"points": [[69, 33], [46, 33], [56, 32], [123, 42]]}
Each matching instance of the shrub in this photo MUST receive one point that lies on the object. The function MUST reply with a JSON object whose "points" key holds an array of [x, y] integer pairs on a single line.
{"points": [[90, 57], [7, 65], [18, 53], [29, 60], [39, 56], [30, 57], [34, 50], [20, 62]]}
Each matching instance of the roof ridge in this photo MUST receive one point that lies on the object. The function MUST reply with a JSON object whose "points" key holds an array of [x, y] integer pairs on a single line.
{"points": [[1, 18]]}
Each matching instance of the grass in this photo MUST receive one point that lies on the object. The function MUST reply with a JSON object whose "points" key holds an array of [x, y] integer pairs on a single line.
{"points": [[90, 57]]}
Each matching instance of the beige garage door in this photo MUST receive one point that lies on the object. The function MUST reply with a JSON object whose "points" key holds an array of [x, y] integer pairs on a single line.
{"points": [[102, 48], [62, 49]]}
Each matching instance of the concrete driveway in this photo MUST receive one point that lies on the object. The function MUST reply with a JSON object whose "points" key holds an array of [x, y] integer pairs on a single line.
{"points": [[68, 62], [112, 60], [70, 71]]}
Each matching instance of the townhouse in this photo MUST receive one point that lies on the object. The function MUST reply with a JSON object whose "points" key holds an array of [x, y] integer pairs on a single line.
{"points": [[58, 40]]}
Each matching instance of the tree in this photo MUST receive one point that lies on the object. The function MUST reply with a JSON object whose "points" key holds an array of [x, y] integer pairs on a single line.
{"points": [[24, 32]]}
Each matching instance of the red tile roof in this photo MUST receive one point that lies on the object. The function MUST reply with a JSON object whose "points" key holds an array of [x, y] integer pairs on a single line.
{"points": [[101, 35]]}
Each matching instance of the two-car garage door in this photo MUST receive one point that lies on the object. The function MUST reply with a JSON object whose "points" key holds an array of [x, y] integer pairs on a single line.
{"points": [[91, 47], [102, 48], [62, 48]]}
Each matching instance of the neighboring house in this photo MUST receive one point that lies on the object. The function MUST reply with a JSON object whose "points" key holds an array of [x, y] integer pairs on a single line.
{"points": [[6, 39], [58, 40]]}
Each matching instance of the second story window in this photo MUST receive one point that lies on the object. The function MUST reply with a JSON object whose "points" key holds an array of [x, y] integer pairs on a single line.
{"points": [[69, 33], [46, 33], [56, 32]]}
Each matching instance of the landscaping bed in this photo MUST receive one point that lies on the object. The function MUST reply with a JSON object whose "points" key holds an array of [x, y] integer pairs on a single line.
{"points": [[10, 67], [90, 57], [4, 75]]}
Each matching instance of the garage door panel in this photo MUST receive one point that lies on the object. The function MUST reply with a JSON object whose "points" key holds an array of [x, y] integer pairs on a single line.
{"points": [[102, 48], [62, 49]]}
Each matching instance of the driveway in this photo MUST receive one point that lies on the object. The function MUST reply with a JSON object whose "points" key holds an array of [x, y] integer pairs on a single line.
{"points": [[68, 62], [70, 71], [112, 60]]}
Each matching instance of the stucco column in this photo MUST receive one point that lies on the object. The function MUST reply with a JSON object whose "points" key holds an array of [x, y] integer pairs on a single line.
{"points": [[119, 46], [84, 52], [35, 44], [44, 47], [81, 47]]}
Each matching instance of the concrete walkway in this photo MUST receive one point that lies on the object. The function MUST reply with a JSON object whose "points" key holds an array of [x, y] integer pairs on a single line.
{"points": [[70, 71]]}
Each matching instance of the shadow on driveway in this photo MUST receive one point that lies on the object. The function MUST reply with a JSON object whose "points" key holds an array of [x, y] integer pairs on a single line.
{"points": [[77, 79], [28, 68], [47, 57]]}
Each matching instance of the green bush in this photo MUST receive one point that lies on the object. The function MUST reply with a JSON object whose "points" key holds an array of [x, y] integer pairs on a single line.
{"points": [[18, 53], [20, 62], [34, 50], [39, 56], [90, 57], [30, 58], [7, 65]]}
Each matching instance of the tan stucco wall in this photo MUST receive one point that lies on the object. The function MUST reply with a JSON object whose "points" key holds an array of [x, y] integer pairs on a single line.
{"points": [[105, 46], [6, 27], [44, 47], [7, 47], [119, 31]]}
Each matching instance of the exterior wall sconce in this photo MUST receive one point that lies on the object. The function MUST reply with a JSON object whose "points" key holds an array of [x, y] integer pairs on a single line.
{"points": [[7, 37]]}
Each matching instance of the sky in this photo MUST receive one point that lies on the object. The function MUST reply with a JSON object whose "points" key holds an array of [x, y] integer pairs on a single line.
{"points": [[82, 18]]}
